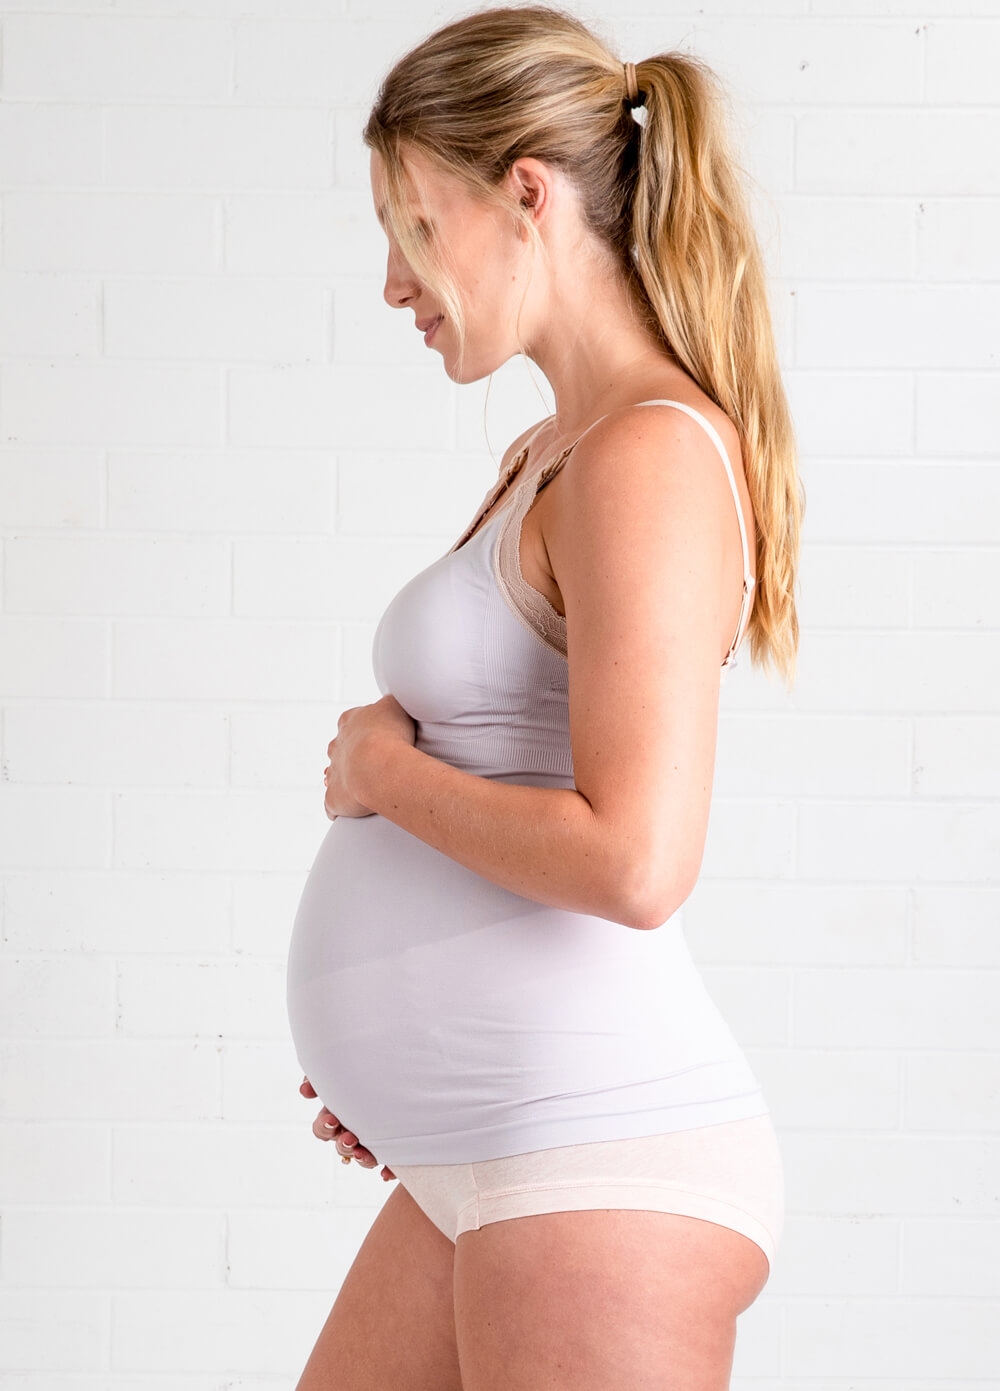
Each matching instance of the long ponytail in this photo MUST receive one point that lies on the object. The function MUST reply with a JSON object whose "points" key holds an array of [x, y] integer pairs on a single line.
{"points": [[700, 266]]}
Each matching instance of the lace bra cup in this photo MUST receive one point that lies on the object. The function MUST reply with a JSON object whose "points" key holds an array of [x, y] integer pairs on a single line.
{"points": [[533, 608]]}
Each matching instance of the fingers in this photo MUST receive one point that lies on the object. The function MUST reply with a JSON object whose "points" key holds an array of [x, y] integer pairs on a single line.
{"points": [[307, 1090]]}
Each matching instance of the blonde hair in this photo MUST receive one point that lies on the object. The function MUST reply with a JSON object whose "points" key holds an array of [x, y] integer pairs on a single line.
{"points": [[664, 196]]}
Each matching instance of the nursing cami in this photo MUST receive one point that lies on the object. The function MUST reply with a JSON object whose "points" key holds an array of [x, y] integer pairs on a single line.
{"points": [[442, 1018]]}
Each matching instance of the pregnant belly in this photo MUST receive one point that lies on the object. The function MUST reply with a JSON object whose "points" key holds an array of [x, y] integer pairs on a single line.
{"points": [[426, 1001]]}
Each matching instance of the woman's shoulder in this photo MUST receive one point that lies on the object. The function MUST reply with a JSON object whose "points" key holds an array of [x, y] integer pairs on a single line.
{"points": [[663, 428]]}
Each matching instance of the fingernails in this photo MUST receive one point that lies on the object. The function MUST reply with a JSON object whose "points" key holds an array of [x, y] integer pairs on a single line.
{"points": [[348, 1144]]}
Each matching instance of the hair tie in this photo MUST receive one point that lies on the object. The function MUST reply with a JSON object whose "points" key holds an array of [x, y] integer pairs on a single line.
{"points": [[631, 85]]}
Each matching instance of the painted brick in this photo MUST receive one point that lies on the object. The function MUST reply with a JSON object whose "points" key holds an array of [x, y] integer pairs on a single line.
{"points": [[890, 1009], [274, 746], [808, 1089], [225, 1332], [97, 1080], [432, 494], [901, 502], [951, 1258], [957, 589], [42, 314], [62, 1332], [116, 912], [129, 58], [36, 1167], [490, 415], [900, 326], [946, 1092], [759, 1340], [322, 233], [367, 330], [962, 62], [898, 842], [903, 7], [755, 1001], [50, 488], [870, 673], [260, 1083], [829, 924], [107, 1381], [54, 657], [749, 839], [137, 233], [358, 686], [956, 926], [812, 756], [217, 148], [314, 407], [882, 1176], [90, 577], [298, 1251], [859, 413], [351, 158], [958, 414], [957, 239], [202, 999], [225, 660], [228, 1167], [838, 238], [69, 998], [769, 61], [236, 319], [336, 577], [123, 1249], [66, 827], [238, 491], [950, 1339], [957, 757], [303, 64], [208, 830], [117, 745], [111, 403], [917, 152], [48, 144], [264, 904], [854, 587], [849, 1257]]}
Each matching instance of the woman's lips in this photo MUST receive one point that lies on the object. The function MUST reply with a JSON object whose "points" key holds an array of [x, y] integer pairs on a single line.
{"points": [[429, 329]]}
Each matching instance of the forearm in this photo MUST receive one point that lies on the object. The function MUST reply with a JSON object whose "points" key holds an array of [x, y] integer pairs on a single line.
{"points": [[546, 844]]}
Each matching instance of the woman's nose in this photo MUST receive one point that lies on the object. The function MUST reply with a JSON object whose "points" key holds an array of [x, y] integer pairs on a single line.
{"points": [[400, 283]]}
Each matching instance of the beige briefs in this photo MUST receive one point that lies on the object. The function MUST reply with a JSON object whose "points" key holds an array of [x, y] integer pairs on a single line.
{"points": [[729, 1174]]}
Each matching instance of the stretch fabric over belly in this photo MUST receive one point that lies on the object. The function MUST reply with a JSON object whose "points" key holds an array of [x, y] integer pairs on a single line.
{"points": [[446, 1020]]}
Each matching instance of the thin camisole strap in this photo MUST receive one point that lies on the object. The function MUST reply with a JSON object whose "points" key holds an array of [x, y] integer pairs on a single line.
{"points": [[748, 579]]}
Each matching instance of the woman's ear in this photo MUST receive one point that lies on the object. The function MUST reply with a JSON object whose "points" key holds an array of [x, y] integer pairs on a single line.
{"points": [[530, 183]]}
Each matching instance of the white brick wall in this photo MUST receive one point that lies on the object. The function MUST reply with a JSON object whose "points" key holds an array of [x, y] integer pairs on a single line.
{"points": [[205, 504]]}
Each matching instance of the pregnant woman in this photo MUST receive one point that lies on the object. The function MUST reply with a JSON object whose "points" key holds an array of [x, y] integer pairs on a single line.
{"points": [[489, 988]]}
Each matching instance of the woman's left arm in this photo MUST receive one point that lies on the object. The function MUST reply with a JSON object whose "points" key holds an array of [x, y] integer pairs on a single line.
{"points": [[637, 545]]}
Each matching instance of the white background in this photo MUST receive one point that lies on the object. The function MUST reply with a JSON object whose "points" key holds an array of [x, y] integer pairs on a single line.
{"points": [[221, 455]]}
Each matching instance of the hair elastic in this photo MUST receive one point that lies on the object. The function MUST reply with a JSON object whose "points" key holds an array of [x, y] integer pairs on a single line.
{"points": [[631, 84]]}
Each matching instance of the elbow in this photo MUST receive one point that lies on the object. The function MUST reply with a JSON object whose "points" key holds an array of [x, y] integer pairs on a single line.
{"points": [[647, 896]]}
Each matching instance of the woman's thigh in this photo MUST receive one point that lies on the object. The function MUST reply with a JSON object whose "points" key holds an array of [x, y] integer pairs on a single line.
{"points": [[392, 1324], [588, 1300]]}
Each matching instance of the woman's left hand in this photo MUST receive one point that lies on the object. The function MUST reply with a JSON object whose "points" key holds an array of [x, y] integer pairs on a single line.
{"points": [[357, 730]]}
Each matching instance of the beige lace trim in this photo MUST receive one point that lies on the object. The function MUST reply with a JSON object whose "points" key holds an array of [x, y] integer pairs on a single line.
{"points": [[531, 607]]}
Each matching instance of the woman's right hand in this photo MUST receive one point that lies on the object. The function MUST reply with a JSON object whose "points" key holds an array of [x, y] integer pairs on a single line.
{"points": [[327, 1127]]}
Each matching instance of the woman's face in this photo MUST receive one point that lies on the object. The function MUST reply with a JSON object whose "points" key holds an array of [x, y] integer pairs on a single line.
{"points": [[487, 256]]}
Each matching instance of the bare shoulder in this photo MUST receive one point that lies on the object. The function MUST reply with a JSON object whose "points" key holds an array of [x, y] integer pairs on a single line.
{"points": [[653, 461]]}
